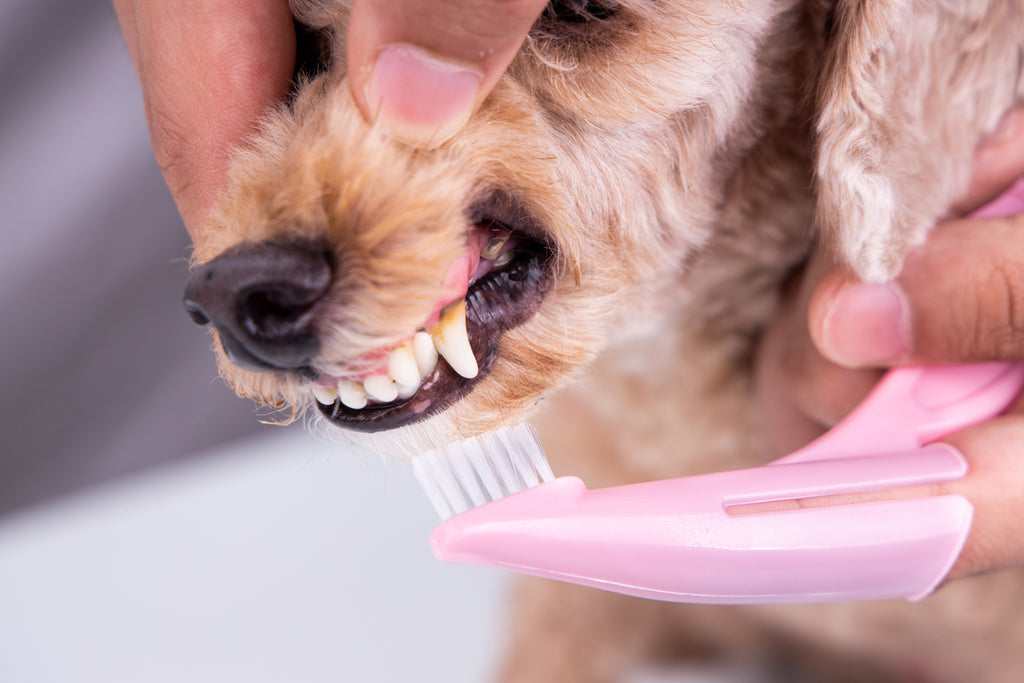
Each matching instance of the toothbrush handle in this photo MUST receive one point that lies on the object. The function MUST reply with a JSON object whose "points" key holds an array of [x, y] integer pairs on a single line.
{"points": [[675, 540], [914, 405]]}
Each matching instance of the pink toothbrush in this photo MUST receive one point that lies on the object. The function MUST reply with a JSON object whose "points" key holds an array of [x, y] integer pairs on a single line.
{"points": [[678, 540]]}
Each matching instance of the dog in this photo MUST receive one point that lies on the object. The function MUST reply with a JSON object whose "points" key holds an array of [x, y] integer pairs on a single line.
{"points": [[599, 249]]}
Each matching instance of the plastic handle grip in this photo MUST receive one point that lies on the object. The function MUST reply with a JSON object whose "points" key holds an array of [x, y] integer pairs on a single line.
{"points": [[915, 405], [675, 540]]}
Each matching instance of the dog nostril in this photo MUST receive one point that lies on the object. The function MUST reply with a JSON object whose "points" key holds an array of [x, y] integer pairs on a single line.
{"points": [[196, 313], [274, 312], [262, 300]]}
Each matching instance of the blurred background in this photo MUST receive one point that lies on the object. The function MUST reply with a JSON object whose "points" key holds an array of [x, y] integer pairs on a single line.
{"points": [[102, 375]]}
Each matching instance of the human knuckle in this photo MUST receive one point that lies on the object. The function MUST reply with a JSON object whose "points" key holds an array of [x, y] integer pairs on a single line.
{"points": [[998, 320]]}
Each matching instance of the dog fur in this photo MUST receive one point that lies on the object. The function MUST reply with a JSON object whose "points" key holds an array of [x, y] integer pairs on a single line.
{"points": [[681, 158]]}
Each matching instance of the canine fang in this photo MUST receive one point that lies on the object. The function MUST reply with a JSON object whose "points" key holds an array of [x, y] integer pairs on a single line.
{"points": [[452, 341]]}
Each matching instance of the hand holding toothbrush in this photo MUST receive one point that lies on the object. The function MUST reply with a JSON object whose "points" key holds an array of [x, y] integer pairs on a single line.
{"points": [[955, 301]]}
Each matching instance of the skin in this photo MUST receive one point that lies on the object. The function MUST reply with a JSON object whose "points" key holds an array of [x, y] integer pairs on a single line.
{"points": [[206, 87], [458, 50]]}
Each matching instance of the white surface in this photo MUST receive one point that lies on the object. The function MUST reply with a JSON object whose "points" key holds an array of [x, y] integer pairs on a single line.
{"points": [[279, 560]]}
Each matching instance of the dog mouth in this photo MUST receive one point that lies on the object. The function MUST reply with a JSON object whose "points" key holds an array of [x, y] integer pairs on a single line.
{"points": [[498, 285]]}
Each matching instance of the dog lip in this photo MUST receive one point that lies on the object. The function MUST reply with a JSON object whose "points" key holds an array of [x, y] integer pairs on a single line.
{"points": [[495, 303]]}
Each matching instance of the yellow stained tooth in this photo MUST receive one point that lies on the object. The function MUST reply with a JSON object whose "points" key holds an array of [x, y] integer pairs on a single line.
{"points": [[424, 352], [380, 388], [325, 395], [494, 245], [352, 394], [452, 341], [402, 366], [503, 260]]}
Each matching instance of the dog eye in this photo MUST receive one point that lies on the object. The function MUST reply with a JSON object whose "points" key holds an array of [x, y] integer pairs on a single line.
{"points": [[580, 11]]}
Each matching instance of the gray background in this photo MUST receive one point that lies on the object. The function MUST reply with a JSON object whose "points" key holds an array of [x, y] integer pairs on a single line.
{"points": [[101, 372]]}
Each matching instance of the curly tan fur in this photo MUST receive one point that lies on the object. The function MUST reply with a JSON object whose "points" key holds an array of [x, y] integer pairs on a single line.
{"points": [[680, 159]]}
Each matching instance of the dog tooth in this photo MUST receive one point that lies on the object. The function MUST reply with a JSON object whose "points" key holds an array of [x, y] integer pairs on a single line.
{"points": [[407, 390], [380, 388], [402, 366], [325, 395], [352, 394], [494, 245], [424, 352], [452, 341]]}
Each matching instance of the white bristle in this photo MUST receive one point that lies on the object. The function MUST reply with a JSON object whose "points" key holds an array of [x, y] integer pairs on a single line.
{"points": [[470, 473], [489, 478], [503, 467]]}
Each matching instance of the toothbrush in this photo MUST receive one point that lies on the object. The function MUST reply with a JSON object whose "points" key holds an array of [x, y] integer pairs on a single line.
{"points": [[693, 539]]}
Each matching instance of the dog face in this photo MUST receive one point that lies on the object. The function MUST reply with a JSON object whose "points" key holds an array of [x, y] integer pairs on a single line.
{"points": [[627, 141], [585, 180]]}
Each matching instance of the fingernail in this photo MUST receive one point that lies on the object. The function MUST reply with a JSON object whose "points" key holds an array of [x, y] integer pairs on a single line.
{"points": [[867, 325], [419, 98], [1003, 130]]}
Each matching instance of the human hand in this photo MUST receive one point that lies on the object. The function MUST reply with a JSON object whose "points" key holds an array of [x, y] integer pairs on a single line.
{"points": [[210, 68], [958, 299], [421, 67]]}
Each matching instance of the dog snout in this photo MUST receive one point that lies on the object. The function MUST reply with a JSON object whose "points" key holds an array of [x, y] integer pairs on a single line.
{"points": [[262, 299]]}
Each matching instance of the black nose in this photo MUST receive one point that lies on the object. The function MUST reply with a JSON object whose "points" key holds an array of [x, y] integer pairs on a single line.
{"points": [[262, 299]]}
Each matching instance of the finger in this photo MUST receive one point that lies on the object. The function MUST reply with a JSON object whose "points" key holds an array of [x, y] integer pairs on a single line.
{"points": [[957, 300], [125, 11], [995, 486], [420, 67], [998, 160], [208, 69], [799, 392]]}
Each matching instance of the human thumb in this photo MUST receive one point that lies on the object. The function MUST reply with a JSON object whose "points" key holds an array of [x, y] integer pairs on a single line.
{"points": [[419, 68]]}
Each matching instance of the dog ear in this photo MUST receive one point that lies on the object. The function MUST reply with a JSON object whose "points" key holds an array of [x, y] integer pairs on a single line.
{"points": [[906, 89]]}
